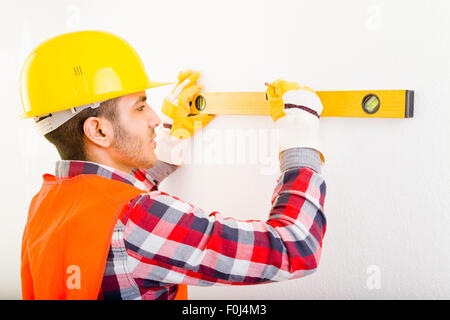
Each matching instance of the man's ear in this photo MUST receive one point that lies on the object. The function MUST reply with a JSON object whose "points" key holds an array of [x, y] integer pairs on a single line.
{"points": [[99, 131]]}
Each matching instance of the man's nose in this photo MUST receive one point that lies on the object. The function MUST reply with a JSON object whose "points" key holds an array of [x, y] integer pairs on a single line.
{"points": [[154, 120]]}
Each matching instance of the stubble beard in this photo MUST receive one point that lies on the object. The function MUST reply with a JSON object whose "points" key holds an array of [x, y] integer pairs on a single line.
{"points": [[132, 149]]}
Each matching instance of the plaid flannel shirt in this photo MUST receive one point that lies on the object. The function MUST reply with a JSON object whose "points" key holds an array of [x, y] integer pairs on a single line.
{"points": [[162, 241]]}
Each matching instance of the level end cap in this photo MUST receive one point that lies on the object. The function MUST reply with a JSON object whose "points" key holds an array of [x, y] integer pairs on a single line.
{"points": [[409, 103]]}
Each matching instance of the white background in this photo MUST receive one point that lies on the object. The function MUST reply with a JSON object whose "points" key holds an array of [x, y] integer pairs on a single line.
{"points": [[388, 181]]}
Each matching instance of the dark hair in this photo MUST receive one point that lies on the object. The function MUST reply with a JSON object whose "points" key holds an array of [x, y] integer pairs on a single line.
{"points": [[69, 138]]}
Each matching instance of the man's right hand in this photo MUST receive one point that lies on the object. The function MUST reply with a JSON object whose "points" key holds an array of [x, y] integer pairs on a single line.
{"points": [[296, 111], [176, 107], [178, 126]]}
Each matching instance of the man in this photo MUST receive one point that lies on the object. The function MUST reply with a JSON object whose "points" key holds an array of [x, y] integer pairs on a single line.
{"points": [[100, 228]]}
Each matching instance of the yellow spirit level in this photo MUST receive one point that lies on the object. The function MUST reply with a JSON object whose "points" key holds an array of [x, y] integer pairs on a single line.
{"points": [[363, 103]]}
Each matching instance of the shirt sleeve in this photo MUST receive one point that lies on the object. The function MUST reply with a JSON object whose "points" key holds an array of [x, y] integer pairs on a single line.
{"points": [[153, 176], [170, 241]]}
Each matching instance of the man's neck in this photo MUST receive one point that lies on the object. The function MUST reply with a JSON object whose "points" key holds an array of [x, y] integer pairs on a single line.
{"points": [[112, 164]]}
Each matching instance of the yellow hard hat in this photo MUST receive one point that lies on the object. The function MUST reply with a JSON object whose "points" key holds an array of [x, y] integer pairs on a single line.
{"points": [[80, 68]]}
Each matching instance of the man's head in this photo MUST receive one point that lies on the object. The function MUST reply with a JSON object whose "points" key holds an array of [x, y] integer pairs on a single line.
{"points": [[119, 133]]}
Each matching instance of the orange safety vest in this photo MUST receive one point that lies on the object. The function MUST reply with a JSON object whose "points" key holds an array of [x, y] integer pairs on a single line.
{"points": [[68, 235]]}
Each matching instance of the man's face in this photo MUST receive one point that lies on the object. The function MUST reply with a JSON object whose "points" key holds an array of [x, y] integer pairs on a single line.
{"points": [[134, 132]]}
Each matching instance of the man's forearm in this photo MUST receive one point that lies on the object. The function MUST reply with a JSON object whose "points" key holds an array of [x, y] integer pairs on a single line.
{"points": [[206, 249]]}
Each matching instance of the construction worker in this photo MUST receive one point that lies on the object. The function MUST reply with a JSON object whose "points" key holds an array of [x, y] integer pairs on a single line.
{"points": [[99, 228]]}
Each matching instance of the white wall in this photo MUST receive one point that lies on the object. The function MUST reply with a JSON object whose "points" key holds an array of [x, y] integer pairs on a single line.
{"points": [[388, 179]]}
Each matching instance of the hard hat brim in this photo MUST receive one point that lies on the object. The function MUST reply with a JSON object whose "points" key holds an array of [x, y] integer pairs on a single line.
{"points": [[150, 85]]}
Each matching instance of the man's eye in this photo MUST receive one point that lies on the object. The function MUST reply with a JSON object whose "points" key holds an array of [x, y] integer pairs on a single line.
{"points": [[141, 108]]}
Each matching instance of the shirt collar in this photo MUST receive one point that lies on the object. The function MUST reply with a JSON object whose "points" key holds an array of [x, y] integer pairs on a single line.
{"points": [[137, 178]]}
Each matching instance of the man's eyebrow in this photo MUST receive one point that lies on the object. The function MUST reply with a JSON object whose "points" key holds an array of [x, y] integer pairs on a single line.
{"points": [[140, 99]]}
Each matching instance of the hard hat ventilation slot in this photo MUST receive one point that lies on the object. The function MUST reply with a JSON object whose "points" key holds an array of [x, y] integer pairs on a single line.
{"points": [[78, 71]]}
